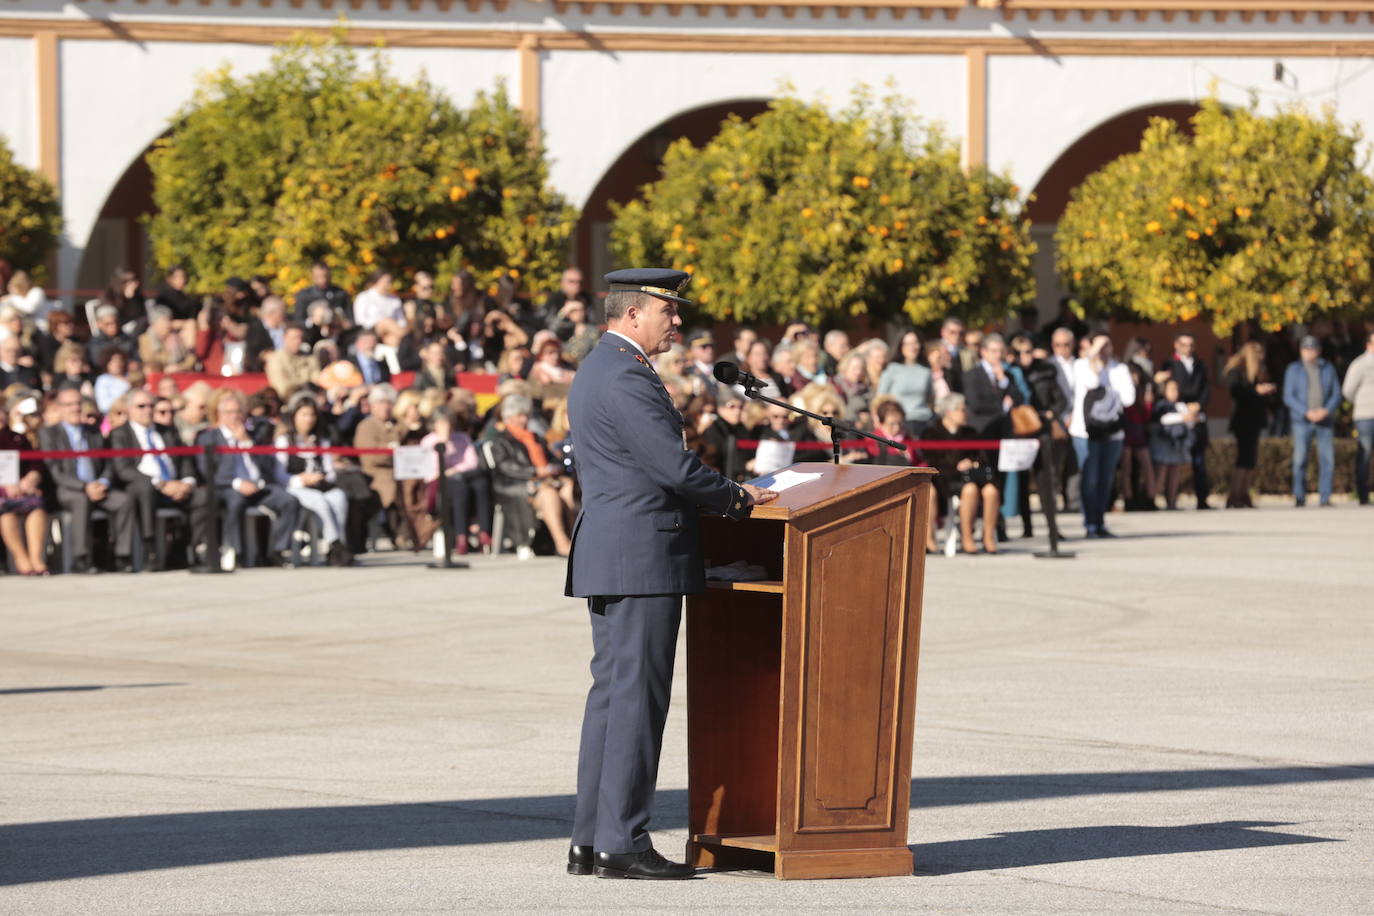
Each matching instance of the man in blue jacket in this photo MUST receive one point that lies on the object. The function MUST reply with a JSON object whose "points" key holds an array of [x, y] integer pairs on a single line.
{"points": [[1312, 393], [636, 551]]}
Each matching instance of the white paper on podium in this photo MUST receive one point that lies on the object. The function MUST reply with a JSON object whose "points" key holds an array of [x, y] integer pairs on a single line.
{"points": [[411, 462], [9, 468], [1017, 454], [773, 454], [784, 480]]}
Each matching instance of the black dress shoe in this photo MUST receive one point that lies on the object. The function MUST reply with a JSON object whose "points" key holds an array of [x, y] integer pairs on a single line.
{"points": [[281, 560], [648, 865], [581, 859], [124, 564]]}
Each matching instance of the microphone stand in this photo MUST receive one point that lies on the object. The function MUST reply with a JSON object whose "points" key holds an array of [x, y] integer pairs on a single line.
{"points": [[830, 423]]}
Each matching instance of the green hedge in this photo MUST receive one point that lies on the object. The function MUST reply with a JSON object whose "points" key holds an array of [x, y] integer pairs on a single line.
{"points": [[1274, 474]]}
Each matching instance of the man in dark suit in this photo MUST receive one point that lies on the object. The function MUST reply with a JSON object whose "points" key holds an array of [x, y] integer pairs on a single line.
{"points": [[246, 480], [322, 289], [1194, 387], [157, 481], [636, 551], [952, 337], [989, 391], [84, 484], [373, 370], [266, 332]]}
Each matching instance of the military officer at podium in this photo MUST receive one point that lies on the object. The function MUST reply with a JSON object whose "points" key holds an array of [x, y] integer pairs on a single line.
{"points": [[636, 551]]}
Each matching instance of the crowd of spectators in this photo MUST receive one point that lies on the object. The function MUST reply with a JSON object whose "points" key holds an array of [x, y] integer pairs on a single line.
{"points": [[330, 364]]}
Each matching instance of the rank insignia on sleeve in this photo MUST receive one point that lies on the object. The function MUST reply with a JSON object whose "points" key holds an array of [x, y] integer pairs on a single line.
{"points": [[641, 358]]}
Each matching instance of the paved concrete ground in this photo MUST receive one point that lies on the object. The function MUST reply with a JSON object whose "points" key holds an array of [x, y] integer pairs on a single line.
{"points": [[1178, 721]]}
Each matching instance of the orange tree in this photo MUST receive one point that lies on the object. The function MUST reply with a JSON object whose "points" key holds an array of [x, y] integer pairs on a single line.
{"points": [[1254, 217], [326, 155], [30, 216], [807, 213]]}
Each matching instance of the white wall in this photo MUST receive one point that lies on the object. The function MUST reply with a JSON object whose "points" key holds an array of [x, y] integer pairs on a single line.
{"points": [[1038, 106], [118, 97], [19, 99], [596, 104]]}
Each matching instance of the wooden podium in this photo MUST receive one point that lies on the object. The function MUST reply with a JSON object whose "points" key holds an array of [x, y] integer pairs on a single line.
{"points": [[801, 690]]}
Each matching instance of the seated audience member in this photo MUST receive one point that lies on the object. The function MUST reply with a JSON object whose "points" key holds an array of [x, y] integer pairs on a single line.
{"points": [[571, 289], [507, 301], [311, 478], [12, 368], [420, 525], [291, 366], [72, 370], [191, 419], [522, 478], [61, 328], [572, 327], [969, 474], [783, 371], [107, 334], [549, 366], [834, 347], [322, 325], [23, 520], [157, 481], [875, 351], [28, 298], [942, 379], [989, 390], [161, 347], [672, 361], [379, 430], [434, 373], [266, 333], [810, 365], [117, 415], [12, 324], [164, 414], [514, 363], [322, 291], [822, 399], [246, 480], [419, 305], [371, 367], [172, 295], [727, 424], [378, 309], [852, 384], [701, 348], [466, 482], [698, 416], [758, 362], [264, 409], [909, 382], [891, 424], [1172, 424], [113, 380], [84, 484]]}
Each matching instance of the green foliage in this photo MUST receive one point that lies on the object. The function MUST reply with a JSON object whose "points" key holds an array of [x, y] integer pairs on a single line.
{"points": [[323, 156], [30, 216], [1263, 218], [805, 213]]}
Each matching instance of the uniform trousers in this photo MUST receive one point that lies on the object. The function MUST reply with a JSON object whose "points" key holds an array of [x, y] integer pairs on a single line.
{"points": [[634, 639]]}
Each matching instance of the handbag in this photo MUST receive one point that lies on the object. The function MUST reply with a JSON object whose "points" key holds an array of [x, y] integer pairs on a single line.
{"points": [[1025, 421]]}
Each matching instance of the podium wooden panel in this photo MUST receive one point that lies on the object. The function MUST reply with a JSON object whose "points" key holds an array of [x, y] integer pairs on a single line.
{"points": [[801, 690]]}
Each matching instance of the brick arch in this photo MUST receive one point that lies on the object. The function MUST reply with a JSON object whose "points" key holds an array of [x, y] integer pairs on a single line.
{"points": [[639, 165], [1107, 141]]}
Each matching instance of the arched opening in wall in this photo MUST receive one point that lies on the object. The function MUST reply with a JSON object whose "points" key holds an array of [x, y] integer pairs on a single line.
{"points": [[1099, 146], [1108, 141], [637, 166], [120, 235]]}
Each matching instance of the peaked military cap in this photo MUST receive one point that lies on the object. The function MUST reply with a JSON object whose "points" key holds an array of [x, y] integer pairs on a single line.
{"points": [[656, 281]]}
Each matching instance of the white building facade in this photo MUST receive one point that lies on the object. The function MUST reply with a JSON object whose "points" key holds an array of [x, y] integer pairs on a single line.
{"points": [[1026, 85]]}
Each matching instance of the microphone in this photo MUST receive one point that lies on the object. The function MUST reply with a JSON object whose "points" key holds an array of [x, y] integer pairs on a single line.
{"points": [[728, 373]]}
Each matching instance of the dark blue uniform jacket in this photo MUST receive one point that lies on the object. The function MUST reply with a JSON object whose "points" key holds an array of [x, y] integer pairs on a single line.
{"points": [[638, 532]]}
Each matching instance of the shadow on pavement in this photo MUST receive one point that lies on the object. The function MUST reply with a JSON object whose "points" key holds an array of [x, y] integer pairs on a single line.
{"points": [[59, 850], [13, 691], [1078, 844]]}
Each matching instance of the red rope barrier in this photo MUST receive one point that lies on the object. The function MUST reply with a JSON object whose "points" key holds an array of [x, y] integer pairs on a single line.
{"points": [[919, 445], [182, 450]]}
